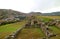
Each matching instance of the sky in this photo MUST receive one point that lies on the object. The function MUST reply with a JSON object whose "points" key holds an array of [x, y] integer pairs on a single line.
{"points": [[44, 6]]}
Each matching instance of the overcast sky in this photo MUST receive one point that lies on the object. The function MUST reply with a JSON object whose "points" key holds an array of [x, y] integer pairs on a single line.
{"points": [[31, 5]]}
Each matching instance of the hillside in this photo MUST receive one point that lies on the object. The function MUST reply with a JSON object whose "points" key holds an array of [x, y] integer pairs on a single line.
{"points": [[8, 14]]}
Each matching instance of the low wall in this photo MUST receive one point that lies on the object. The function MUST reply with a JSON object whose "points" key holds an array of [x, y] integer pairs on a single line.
{"points": [[14, 34]]}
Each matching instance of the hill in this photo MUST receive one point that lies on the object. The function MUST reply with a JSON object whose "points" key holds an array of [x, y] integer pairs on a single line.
{"points": [[10, 14], [51, 14]]}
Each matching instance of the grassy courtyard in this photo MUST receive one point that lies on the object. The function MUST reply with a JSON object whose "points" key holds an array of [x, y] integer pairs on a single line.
{"points": [[31, 33]]}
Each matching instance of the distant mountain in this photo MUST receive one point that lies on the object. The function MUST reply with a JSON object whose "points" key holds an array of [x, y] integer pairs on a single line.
{"points": [[34, 13], [51, 14], [45, 14]]}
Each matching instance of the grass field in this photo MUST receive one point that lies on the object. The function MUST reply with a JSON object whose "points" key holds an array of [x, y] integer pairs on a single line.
{"points": [[52, 17], [45, 19], [31, 33], [8, 29], [48, 18]]}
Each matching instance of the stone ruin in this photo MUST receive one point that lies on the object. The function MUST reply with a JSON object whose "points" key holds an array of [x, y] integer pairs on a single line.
{"points": [[32, 22], [28, 24], [53, 23], [58, 23], [44, 26], [47, 31]]}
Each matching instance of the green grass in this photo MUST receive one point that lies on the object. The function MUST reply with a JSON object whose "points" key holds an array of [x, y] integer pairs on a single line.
{"points": [[29, 33], [8, 29], [45, 19], [56, 31]]}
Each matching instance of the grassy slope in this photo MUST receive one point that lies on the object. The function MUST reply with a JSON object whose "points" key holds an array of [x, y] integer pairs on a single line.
{"points": [[9, 28]]}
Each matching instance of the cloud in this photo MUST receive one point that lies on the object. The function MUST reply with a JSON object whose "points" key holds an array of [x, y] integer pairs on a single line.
{"points": [[30, 5]]}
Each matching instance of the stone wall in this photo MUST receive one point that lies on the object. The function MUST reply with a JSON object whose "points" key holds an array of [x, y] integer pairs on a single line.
{"points": [[14, 34]]}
